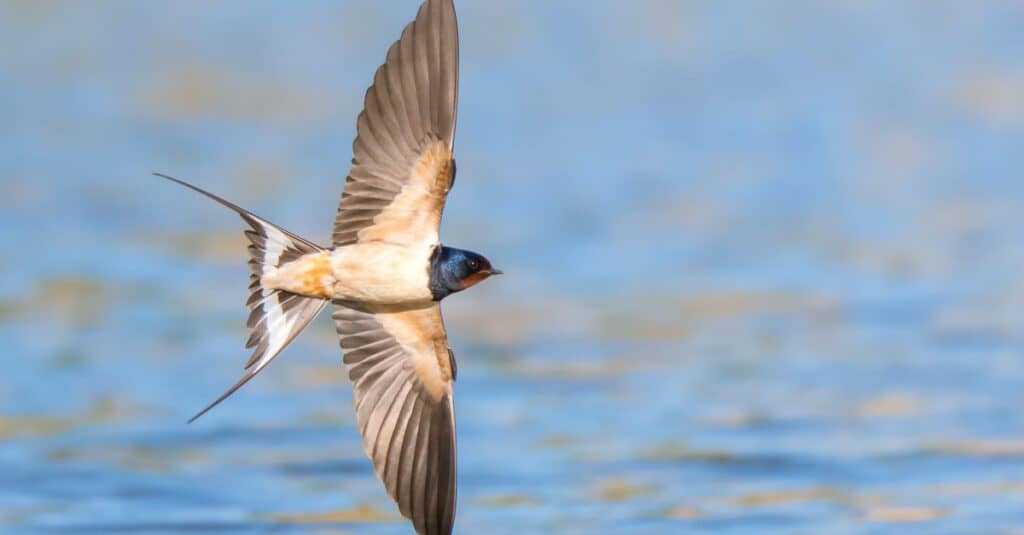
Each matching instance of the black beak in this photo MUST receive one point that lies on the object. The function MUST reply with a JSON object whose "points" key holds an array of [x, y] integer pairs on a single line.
{"points": [[494, 271]]}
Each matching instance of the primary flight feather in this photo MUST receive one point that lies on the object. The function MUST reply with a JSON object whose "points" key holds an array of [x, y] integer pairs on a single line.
{"points": [[385, 274]]}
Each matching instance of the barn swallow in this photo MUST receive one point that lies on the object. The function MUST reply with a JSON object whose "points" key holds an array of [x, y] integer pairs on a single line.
{"points": [[385, 273]]}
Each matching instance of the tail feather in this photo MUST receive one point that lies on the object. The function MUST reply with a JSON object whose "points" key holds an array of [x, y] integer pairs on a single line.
{"points": [[276, 317]]}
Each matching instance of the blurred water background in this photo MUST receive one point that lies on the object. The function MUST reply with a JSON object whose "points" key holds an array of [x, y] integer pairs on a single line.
{"points": [[765, 266]]}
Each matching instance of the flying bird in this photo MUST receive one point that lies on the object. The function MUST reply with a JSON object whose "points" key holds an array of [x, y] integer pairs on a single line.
{"points": [[385, 273]]}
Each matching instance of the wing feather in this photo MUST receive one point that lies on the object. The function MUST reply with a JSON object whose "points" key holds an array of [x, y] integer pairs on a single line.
{"points": [[400, 366], [401, 166]]}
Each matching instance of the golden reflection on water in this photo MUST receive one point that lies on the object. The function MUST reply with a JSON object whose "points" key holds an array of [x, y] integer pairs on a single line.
{"points": [[361, 513]]}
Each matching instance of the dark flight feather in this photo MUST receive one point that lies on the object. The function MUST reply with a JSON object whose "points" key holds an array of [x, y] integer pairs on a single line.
{"points": [[411, 105], [406, 418]]}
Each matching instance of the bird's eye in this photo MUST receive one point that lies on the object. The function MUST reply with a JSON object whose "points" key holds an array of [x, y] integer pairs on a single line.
{"points": [[474, 265]]}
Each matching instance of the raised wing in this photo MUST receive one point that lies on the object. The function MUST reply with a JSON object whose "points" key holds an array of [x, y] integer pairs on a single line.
{"points": [[402, 372], [402, 165]]}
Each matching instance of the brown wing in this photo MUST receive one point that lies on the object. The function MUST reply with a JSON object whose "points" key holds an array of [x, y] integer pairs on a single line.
{"points": [[402, 163], [402, 372]]}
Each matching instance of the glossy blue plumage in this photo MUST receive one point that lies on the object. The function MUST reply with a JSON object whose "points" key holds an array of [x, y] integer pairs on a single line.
{"points": [[453, 270]]}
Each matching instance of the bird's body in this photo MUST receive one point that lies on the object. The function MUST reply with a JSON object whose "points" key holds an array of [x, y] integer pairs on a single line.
{"points": [[385, 273], [374, 273]]}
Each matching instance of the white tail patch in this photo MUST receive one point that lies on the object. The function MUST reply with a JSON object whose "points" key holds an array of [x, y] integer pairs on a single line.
{"points": [[276, 317]]}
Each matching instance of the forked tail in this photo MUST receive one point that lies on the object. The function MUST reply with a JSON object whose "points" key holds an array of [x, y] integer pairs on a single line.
{"points": [[276, 317]]}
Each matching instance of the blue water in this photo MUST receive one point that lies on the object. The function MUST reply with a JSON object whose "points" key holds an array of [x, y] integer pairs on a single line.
{"points": [[765, 266]]}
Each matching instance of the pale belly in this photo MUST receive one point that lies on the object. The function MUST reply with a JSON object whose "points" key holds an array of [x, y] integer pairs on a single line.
{"points": [[377, 273], [381, 273]]}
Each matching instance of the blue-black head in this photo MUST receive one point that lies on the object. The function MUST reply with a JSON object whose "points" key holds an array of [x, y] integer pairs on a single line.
{"points": [[453, 270]]}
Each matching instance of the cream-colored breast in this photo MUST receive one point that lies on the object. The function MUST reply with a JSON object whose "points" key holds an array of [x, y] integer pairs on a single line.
{"points": [[381, 273]]}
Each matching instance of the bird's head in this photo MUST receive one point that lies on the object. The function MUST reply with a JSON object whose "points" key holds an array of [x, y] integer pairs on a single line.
{"points": [[453, 270]]}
